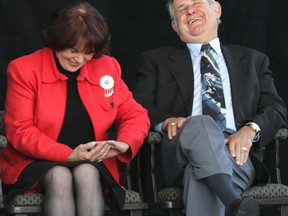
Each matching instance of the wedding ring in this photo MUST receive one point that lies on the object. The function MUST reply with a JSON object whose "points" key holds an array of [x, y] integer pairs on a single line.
{"points": [[173, 123], [98, 161], [244, 149]]}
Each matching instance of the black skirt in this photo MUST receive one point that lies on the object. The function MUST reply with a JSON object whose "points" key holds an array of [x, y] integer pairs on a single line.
{"points": [[35, 171]]}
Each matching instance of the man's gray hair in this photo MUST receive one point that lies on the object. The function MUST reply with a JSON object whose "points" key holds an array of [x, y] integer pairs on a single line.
{"points": [[171, 12]]}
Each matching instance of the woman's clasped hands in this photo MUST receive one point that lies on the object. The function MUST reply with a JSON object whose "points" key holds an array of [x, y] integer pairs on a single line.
{"points": [[98, 150]]}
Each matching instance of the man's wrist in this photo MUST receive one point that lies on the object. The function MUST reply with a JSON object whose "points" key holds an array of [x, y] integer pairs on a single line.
{"points": [[255, 127]]}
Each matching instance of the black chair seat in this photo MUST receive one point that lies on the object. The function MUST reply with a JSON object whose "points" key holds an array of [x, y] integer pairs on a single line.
{"points": [[258, 192], [35, 199], [267, 191]]}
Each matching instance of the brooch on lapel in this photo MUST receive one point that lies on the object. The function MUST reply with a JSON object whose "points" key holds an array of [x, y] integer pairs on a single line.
{"points": [[107, 83]]}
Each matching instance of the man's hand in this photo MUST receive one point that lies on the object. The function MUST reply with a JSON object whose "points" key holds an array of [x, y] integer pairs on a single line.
{"points": [[171, 125], [240, 143]]}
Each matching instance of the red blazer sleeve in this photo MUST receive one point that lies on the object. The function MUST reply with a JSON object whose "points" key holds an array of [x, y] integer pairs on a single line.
{"points": [[21, 131]]}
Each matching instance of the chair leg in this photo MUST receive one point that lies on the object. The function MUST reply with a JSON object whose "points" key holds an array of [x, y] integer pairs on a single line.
{"points": [[174, 212], [284, 210], [20, 214], [135, 213], [32, 214], [130, 212]]}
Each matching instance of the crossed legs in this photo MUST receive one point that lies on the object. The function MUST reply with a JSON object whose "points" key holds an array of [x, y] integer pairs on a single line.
{"points": [[212, 179], [73, 192]]}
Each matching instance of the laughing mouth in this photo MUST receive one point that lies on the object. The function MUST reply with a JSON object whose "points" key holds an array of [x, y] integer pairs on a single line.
{"points": [[74, 64], [194, 20]]}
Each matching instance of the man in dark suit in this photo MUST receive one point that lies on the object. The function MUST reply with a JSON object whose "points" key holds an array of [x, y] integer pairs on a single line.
{"points": [[214, 165]]}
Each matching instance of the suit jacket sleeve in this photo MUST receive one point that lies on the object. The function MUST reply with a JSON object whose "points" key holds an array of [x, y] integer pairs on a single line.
{"points": [[164, 84], [254, 95]]}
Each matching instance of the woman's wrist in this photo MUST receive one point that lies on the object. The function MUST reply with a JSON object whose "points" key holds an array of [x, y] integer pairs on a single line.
{"points": [[127, 151]]}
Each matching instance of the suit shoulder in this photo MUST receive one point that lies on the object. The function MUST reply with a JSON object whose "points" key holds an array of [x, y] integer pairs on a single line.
{"points": [[244, 50], [163, 51]]}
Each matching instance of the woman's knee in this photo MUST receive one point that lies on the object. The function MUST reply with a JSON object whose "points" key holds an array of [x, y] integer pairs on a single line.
{"points": [[86, 173], [58, 176]]}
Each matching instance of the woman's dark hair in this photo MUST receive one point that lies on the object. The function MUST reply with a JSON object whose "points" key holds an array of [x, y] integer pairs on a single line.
{"points": [[80, 26]]}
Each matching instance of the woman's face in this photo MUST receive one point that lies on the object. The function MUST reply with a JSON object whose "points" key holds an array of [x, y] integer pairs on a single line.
{"points": [[72, 59]]}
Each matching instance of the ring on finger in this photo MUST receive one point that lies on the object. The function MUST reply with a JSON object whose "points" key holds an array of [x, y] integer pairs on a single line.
{"points": [[173, 123], [244, 149], [98, 161]]}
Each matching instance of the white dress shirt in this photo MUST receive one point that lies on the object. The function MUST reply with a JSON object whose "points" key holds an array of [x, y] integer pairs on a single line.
{"points": [[195, 52]]}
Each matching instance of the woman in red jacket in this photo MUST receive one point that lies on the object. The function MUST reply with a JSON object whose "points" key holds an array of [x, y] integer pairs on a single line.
{"points": [[61, 102]]}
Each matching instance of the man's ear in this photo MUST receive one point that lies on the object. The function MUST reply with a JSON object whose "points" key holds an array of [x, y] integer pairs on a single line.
{"points": [[174, 26], [218, 9]]}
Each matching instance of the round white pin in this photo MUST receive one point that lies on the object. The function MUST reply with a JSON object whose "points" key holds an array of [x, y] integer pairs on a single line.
{"points": [[107, 83]]}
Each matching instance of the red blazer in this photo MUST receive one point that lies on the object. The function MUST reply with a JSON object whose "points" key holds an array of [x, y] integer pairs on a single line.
{"points": [[35, 106]]}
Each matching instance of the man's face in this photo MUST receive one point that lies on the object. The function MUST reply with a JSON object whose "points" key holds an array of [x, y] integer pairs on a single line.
{"points": [[196, 21]]}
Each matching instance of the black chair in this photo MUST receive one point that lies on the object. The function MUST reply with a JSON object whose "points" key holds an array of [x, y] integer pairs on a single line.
{"points": [[170, 199], [24, 205]]}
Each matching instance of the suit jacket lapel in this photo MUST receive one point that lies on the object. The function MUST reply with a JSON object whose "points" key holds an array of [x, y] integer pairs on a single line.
{"points": [[237, 69], [182, 69]]}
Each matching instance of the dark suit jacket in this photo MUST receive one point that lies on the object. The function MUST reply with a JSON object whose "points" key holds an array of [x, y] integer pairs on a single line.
{"points": [[165, 87]]}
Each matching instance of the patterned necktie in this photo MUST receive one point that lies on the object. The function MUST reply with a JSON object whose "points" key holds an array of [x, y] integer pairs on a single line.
{"points": [[213, 102]]}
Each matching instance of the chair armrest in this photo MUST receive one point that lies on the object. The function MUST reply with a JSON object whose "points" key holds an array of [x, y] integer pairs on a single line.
{"points": [[148, 155], [153, 138], [2, 128], [3, 141], [281, 134]]}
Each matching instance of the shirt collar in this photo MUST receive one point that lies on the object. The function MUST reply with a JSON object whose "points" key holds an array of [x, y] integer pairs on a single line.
{"points": [[195, 48]]}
